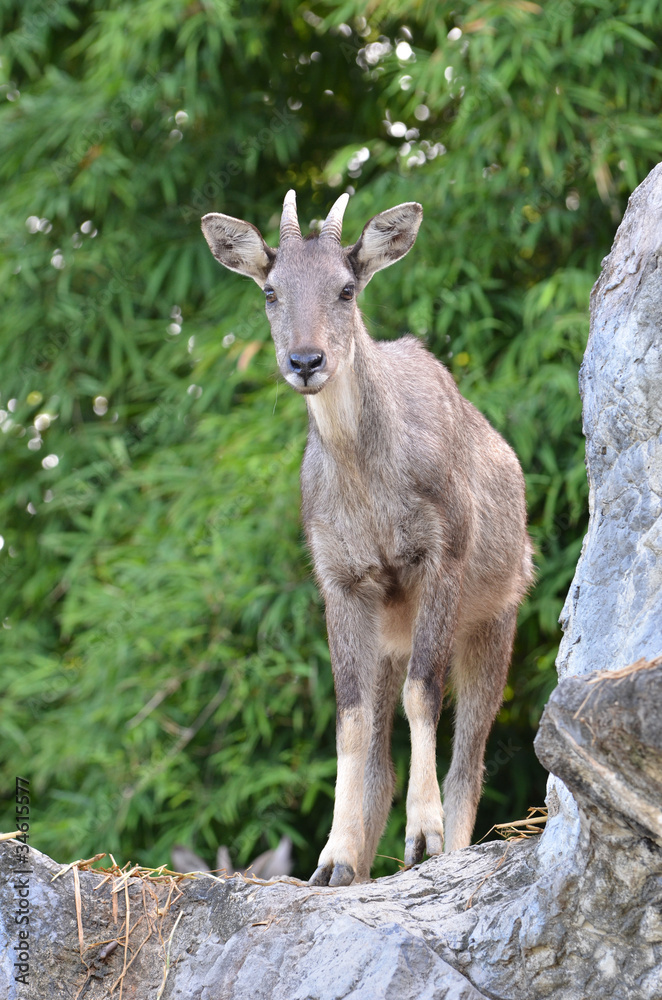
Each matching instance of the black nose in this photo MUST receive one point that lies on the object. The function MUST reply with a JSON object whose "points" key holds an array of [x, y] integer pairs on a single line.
{"points": [[307, 363]]}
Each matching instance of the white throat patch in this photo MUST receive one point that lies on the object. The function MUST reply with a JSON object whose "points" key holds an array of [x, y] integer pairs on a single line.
{"points": [[335, 409]]}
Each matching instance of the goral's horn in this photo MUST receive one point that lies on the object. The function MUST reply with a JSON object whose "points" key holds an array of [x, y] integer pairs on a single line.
{"points": [[332, 228], [289, 222]]}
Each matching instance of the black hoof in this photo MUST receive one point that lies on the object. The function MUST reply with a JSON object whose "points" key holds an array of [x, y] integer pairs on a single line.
{"points": [[321, 875], [332, 875], [414, 848], [342, 875]]}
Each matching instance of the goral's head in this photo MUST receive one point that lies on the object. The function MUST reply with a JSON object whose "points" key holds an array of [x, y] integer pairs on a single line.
{"points": [[310, 285]]}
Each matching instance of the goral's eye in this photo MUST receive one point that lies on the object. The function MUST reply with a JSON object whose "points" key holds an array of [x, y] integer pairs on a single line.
{"points": [[269, 294], [347, 293]]}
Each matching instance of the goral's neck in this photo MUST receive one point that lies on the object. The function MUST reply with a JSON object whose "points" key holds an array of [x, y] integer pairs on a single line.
{"points": [[335, 411]]}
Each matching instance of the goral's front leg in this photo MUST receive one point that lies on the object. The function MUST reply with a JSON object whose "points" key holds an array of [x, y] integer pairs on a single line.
{"points": [[422, 696], [352, 642], [339, 861], [424, 833]]}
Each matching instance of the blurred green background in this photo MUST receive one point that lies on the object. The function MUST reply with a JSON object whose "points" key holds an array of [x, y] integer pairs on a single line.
{"points": [[165, 675]]}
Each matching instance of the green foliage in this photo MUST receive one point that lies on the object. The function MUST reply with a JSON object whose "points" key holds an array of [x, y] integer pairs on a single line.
{"points": [[165, 671]]}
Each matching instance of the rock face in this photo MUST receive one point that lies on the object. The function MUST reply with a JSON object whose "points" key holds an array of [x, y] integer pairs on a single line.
{"points": [[573, 915], [613, 612], [602, 734]]}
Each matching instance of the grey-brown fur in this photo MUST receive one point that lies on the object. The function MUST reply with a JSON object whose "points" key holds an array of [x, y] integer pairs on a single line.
{"points": [[414, 511]]}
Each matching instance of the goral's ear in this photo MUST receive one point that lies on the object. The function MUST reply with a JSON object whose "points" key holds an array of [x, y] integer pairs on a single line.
{"points": [[385, 239], [238, 245]]}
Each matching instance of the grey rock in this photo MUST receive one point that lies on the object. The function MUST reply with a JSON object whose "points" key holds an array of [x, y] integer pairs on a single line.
{"points": [[604, 738], [613, 612], [329, 960]]}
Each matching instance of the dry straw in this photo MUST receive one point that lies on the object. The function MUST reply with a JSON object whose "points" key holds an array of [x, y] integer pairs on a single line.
{"points": [[156, 905]]}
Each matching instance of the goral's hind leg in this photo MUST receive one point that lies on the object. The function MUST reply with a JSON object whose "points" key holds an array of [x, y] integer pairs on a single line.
{"points": [[480, 666]]}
